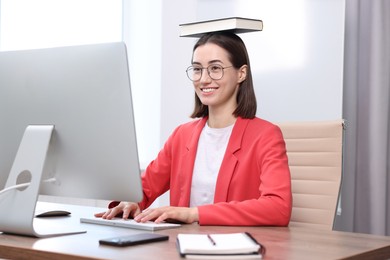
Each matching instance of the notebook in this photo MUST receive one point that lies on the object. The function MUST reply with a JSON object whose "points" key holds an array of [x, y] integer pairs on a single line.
{"points": [[129, 223], [219, 246]]}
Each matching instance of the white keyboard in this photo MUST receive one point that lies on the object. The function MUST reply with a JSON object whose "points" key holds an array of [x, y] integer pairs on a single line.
{"points": [[129, 223]]}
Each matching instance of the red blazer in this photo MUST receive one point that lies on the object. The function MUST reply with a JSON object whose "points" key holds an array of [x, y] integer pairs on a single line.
{"points": [[253, 185]]}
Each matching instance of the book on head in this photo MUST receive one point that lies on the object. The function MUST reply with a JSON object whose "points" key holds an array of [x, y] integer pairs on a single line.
{"points": [[234, 24], [219, 246]]}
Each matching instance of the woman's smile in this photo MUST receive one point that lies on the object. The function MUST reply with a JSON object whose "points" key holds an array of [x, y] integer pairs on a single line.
{"points": [[208, 89]]}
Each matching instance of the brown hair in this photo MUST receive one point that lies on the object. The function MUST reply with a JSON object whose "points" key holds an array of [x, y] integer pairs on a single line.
{"points": [[238, 56]]}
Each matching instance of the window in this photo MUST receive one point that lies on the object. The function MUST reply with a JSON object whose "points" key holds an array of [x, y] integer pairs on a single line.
{"points": [[26, 24]]}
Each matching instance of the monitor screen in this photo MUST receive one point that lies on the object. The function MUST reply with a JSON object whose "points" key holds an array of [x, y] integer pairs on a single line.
{"points": [[84, 92]]}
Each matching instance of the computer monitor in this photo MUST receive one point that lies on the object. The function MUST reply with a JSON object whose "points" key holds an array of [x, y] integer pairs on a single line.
{"points": [[84, 94]]}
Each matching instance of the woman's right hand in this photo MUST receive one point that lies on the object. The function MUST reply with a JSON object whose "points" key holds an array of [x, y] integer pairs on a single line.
{"points": [[127, 209]]}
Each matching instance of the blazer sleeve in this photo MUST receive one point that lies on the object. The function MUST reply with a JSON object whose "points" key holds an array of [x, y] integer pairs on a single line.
{"points": [[156, 177]]}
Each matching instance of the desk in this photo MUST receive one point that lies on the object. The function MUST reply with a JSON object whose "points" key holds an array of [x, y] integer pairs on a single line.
{"points": [[280, 242]]}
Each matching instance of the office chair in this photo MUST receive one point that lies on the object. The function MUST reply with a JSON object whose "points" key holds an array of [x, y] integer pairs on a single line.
{"points": [[315, 152]]}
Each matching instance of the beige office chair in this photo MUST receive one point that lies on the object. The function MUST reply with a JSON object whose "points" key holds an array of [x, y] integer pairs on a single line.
{"points": [[314, 150]]}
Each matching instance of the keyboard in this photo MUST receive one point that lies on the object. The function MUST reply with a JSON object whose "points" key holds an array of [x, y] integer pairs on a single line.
{"points": [[129, 223]]}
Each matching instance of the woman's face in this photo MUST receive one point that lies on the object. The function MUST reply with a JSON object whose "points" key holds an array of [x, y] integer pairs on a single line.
{"points": [[217, 94]]}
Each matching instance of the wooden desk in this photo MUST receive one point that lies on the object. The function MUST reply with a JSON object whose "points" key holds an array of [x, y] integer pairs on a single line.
{"points": [[281, 243]]}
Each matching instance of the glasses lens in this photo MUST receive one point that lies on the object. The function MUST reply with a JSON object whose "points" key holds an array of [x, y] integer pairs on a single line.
{"points": [[194, 73], [215, 71]]}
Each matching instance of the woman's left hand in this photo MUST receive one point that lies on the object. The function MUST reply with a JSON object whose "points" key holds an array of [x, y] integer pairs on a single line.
{"points": [[169, 214]]}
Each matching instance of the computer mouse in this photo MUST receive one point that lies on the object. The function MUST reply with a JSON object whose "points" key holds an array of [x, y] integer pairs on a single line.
{"points": [[52, 213]]}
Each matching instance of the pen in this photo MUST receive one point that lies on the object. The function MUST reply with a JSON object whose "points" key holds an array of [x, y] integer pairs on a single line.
{"points": [[211, 240]]}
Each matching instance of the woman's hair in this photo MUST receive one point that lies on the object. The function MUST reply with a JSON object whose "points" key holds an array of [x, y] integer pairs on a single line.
{"points": [[238, 56]]}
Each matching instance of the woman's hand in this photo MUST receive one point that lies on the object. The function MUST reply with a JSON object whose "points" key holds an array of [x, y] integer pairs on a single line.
{"points": [[128, 209], [169, 214]]}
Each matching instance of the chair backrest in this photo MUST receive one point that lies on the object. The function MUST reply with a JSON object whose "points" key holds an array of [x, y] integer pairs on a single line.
{"points": [[315, 152]]}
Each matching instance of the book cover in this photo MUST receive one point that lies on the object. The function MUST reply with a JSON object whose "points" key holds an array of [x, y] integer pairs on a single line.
{"points": [[234, 24]]}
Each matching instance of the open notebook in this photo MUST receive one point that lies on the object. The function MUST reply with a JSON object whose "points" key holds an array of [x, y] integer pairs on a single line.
{"points": [[129, 223]]}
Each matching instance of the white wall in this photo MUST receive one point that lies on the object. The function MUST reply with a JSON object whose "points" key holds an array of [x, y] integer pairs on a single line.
{"points": [[142, 33], [297, 61], [158, 58]]}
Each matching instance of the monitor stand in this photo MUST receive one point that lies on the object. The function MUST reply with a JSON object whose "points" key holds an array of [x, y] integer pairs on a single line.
{"points": [[19, 198]]}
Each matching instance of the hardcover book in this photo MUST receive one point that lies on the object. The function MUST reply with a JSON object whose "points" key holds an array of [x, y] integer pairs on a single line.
{"points": [[234, 24]]}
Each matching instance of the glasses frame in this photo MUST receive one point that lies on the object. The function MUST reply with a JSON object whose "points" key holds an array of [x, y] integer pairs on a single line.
{"points": [[208, 68]]}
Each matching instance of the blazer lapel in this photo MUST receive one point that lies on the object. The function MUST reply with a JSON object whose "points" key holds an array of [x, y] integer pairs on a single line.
{"points": [[189, 159], [229, 161]]}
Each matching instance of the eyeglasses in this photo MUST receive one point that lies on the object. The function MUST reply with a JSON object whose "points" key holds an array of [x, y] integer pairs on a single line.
{"points": [[215, 71]]}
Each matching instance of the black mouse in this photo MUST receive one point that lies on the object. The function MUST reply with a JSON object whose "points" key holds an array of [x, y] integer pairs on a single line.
{"points": [[52, 213]]}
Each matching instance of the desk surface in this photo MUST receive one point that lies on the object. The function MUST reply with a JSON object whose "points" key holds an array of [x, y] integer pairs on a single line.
{"points": [[280, 242]]}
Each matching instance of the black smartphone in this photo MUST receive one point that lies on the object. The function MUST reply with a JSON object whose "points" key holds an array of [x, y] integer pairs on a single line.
{"points": [[135, 239]]}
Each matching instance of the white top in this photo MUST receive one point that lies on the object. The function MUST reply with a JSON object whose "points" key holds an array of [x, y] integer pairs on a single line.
{"points": [[211, 150]]}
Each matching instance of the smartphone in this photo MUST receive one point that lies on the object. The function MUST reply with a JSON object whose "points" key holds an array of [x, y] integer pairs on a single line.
{"points": [[135, 239]]}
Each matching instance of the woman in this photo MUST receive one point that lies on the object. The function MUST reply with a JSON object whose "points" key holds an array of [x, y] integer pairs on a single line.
{"points": [[226, 168]]}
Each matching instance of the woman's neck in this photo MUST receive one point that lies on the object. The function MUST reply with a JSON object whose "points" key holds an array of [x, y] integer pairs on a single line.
{"points": [[221, 121], [222, 116]]}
